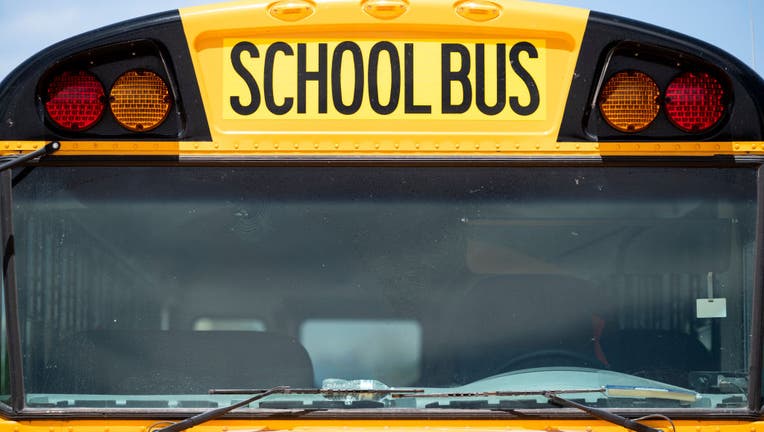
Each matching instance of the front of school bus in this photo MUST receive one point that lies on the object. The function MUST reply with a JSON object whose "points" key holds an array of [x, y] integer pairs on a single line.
{"points": [[381, 215]]}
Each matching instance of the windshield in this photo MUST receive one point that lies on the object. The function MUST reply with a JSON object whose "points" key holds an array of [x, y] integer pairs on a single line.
{"points": [[149, 286]]}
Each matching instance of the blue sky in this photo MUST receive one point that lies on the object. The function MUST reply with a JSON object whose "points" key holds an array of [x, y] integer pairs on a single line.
{"points": [[29, 26]]}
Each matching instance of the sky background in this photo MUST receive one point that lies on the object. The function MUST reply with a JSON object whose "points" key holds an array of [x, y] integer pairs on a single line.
{"points": [[27, 26]]}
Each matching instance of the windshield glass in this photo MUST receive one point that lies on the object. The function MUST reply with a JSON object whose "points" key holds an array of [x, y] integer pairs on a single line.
{"points": [[149, 286]]}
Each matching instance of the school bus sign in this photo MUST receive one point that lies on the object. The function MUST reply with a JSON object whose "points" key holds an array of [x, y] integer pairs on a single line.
{"points": [[385, 79]]}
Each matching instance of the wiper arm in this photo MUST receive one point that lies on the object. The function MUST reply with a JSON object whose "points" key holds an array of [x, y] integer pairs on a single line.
{"points": [[601, 414], [42, 151], [259, 394], [552, 396], [218, 412]]}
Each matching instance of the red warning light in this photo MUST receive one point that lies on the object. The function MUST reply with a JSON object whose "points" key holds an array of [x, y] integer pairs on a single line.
{"points": [[75, 100], [694, 101]]}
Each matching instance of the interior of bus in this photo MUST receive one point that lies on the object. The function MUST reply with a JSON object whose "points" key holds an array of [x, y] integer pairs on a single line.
{"points": [[137, 281]]}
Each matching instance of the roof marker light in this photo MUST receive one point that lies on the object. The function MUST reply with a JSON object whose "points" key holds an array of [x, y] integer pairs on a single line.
{"points": [[629, 101], [478, 10], [291, 10], [385, 9]]}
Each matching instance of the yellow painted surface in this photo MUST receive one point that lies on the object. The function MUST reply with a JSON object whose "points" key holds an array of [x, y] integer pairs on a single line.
{"points": [[375, 426], [354, 146], [554, 32], [214, 31]]}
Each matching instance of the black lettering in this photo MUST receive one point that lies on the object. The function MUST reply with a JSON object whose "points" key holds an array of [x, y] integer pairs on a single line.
{"points": [[447, 76], [355, 104], [408, 83], [501, 79], [238, 66], [533, 91], [270, 57], [303, 76], [395, 79]]}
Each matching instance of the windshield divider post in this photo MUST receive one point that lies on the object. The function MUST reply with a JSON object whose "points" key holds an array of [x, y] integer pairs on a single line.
{"points": [[11, 293], [755, 354]]}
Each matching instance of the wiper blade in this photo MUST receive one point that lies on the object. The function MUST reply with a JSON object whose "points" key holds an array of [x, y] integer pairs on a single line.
{"points": [[397, 394], [260, 394], [321, 391]]}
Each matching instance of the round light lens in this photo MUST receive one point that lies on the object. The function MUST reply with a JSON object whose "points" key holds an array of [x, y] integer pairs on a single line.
{"points": [[74, 100], [139, 100], [694, 101], [629, 101]]}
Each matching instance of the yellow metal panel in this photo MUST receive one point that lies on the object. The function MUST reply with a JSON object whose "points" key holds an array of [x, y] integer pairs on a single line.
{"points": [[353, 145], [590, 425], [555, 32]]}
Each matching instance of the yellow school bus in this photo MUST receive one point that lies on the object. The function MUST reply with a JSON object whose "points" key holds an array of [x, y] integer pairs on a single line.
{"points": [[381, 215]]}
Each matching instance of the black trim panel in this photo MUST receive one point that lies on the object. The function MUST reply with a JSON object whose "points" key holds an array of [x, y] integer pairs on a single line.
{"points": [[613, 43], [158, 42]]}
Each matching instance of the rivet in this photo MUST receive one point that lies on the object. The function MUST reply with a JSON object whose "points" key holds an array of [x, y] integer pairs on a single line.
{"points": [[578, 146], [356, 146], [417, 146], [376, 146], [236, 146], [477, 146], [315, 146], [397, 146], [737, 146], [276, 146], [457, 146], [296, 146], [517, 146]]}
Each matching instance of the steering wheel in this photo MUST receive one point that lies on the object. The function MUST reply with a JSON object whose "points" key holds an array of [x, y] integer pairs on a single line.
{"points": [[547, 357]]}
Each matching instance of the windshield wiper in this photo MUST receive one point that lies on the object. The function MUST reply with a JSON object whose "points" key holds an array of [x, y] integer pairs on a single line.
{"points": [[42, 151], [601, 414], [260, 394], [551, 396], [218, 412]]}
